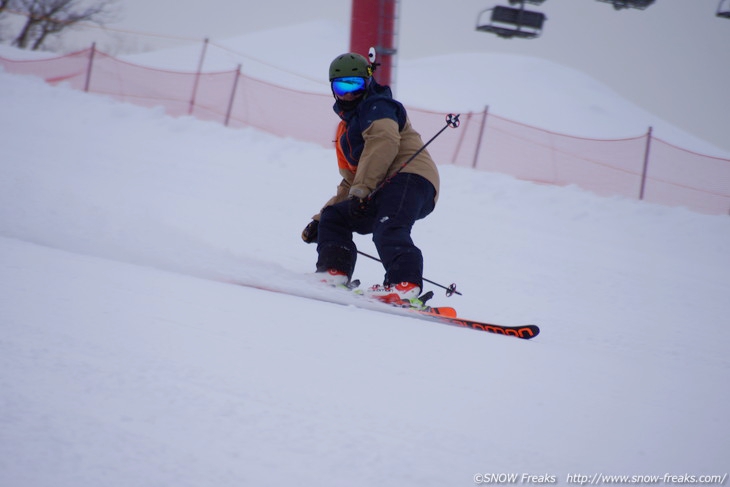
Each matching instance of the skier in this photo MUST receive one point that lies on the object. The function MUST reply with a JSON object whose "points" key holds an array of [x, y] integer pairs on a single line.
{"points": [[374, 139]]}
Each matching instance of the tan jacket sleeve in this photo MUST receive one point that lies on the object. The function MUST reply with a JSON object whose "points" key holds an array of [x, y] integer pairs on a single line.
{"points": [[382, 142]]}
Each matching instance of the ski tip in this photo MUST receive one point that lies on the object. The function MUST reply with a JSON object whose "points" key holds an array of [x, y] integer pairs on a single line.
{"points": [[534, 329]]}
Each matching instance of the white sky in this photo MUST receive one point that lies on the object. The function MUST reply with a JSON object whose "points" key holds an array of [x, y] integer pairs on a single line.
{"points": [[672, 58]]}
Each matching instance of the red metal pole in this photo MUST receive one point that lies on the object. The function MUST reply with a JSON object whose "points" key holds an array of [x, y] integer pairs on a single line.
{"points": [[373, 25]]}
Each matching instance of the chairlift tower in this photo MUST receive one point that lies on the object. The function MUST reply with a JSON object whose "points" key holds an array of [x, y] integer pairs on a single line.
{"points": [[374, 23], [509, 22]]}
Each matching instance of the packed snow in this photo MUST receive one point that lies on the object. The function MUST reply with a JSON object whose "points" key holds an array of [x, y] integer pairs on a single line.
{"points": [[128, 358]]}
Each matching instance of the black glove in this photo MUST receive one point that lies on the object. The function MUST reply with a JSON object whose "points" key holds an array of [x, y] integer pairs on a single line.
{"points": [[309, 234], [358, 207]]}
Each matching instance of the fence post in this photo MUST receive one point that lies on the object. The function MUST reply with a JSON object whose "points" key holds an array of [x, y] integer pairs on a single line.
{"points": [[197, 77], [88, 68], [481, 134], [233, 94], [646, 164]]}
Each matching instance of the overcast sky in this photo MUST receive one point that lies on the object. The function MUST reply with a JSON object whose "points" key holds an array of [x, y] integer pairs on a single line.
{"points": [[672, 58]]}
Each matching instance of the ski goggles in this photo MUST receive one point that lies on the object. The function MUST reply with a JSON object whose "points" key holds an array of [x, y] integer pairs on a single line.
{"points": [[348, 84]]}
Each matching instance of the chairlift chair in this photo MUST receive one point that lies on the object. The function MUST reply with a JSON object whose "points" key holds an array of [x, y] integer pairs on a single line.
{"points": [[508, 22], [723, 10], [619, 4]]}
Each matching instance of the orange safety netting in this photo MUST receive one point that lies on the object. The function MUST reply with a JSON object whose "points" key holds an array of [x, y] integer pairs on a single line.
{"points": [[641, 167]]}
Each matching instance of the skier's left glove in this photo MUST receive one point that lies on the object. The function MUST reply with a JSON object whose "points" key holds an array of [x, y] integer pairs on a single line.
{"points": [[309, 234]]}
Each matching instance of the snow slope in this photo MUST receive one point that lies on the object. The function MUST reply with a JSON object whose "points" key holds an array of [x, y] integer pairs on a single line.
{"points": [[127, 359]]}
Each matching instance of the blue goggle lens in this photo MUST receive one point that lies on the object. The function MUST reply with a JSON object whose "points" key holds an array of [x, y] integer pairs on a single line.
{"points": [[349, 84]]}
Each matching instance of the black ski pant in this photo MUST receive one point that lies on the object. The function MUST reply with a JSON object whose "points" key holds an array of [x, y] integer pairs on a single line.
{"points": [[389, 217]]}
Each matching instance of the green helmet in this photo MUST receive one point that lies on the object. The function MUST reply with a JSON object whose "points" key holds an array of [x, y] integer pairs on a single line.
{"points": [[350, 64]]}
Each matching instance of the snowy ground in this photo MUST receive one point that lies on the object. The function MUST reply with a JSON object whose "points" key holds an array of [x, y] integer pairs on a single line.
{"points": [[127, 360]]}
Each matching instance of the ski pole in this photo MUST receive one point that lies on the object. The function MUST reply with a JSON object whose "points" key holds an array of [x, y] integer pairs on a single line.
{"points": [[450, 290], [451, 121]]}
